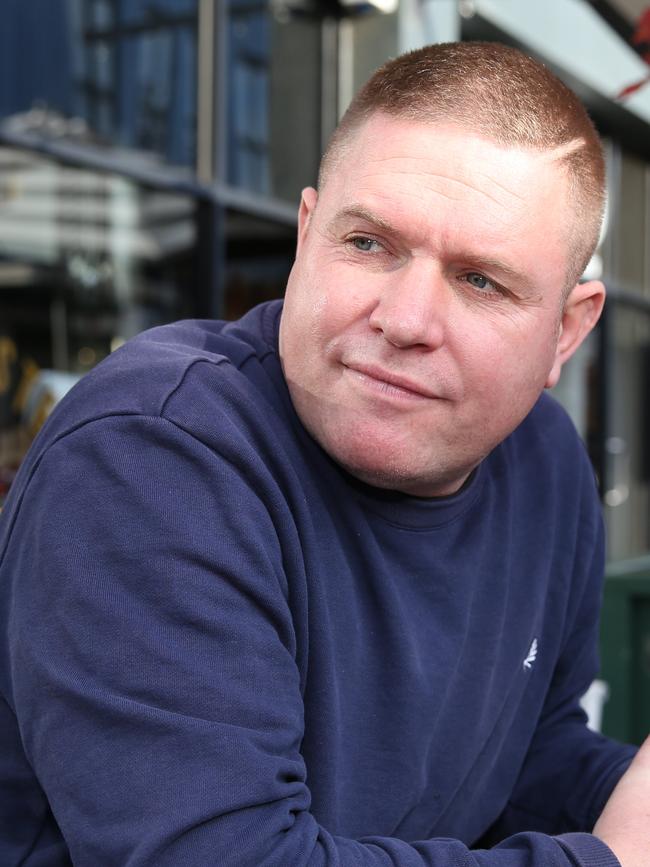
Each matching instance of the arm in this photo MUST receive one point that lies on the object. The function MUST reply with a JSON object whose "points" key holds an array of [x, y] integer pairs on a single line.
{"points": [[625, 822], [154, 677], [570, 771]]}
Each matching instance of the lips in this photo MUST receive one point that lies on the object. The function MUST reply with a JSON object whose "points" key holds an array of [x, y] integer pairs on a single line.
{"points": [[388, 378]]}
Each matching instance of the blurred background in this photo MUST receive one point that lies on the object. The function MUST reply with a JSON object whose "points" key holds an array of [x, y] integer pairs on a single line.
{"points": [[152, 154]]}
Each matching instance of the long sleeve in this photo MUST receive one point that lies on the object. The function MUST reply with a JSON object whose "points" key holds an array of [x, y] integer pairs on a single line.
{"points": [[579, 767], [153, 667]]}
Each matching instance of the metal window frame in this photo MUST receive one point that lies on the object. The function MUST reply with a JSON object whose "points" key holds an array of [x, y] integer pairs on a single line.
{"points": [[208, 183]]}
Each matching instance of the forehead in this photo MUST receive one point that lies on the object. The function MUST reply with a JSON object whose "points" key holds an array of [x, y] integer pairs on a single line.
{"points": [[383, 132], [447, 159]]}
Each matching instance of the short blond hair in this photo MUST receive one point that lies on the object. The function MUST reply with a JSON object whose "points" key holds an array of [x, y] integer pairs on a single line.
{"points": [[499, 92]]}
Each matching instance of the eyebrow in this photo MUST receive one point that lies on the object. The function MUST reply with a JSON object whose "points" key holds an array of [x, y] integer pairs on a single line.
{"points": [[493, 265], [360, 213], [521, 284]]}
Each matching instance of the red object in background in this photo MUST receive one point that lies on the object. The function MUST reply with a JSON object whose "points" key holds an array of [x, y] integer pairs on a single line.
{"points": [[642, 31], [640, 38], [632, 88]]}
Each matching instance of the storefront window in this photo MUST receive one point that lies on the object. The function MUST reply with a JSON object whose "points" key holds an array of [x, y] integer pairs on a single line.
{"points": [[627, 249], [259, 255], [627, 446], [109, 72], [146, 11], [87, 260], [274, 99], [580, 392]]}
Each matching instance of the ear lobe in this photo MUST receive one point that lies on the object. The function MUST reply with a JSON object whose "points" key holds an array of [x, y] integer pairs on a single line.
{"points": [[308, 201], [582, 311]]}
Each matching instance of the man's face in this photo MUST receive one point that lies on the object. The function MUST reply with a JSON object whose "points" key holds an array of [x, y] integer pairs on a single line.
{"points": [[423, 312]]}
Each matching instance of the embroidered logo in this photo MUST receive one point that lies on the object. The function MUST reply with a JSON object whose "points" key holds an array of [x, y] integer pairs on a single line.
{"points": [[532, 655]]}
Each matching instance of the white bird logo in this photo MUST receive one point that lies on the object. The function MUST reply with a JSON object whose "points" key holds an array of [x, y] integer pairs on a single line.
{"points": [[532, 655]]}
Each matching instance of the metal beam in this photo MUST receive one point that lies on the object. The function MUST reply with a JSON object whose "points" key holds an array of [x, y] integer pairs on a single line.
{"points": [[205, 84]]}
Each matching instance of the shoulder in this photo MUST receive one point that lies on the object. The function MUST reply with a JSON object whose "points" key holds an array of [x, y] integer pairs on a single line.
{"points": [[142, 376], [548, 437], [549, 423], [208, 379], [544, 464]]}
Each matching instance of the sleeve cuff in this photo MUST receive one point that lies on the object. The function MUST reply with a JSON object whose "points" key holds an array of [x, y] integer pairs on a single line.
{"points": [[587, 850]]}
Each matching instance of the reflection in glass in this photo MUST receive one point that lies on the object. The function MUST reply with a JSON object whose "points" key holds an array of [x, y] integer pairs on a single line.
{"points": [[627, 488], [150, 11], [274, 100], [628, 259], [125, 69], [259, 255], [87, 260], [140, 78]]}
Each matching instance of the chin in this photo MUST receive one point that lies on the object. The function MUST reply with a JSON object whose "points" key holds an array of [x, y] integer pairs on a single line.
{"points": [[393, 474], [390, 479], [391, 460]]}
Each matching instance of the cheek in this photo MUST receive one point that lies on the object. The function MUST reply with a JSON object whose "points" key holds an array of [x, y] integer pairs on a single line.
{"points": [[505, 367], [309, 323], [336, 303]]}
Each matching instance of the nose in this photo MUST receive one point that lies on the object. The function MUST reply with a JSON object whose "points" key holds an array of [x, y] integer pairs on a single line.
{"points": [[411, 309]]}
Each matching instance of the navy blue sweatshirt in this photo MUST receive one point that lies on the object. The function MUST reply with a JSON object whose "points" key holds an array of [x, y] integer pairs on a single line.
{"points": [[220, 649]]}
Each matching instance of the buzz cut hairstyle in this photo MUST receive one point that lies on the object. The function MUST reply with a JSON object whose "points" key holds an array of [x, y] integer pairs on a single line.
{"points": [[498, 92]]}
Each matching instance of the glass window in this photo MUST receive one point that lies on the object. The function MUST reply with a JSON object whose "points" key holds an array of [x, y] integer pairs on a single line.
{"points": [[579, 391], [102, 14], [87, 260], [103, 67], [274, 104], [628, 249], [259, 255], [627, 446], [37, 60], [127, 69], [144, 11]]}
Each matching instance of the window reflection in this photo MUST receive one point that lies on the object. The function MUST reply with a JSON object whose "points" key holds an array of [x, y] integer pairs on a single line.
{"points": [[259, 255], [627, 254], [125, 69], [139, 81], [151, 11], [87, 260], [274, 100], [627, 494]]}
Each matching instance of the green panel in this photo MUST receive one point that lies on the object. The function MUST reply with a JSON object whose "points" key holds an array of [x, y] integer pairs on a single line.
{"points": [[625, 650], [615, 663], [640, 721]]}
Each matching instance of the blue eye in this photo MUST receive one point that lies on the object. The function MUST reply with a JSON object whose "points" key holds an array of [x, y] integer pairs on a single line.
{"points": [[478, 281], [365, 245]]}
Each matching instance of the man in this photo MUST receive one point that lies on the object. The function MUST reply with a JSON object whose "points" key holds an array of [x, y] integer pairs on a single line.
{"points": [[321, 586]]}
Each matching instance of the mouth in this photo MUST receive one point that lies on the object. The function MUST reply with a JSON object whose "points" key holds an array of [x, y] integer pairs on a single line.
{"points": [[388, 383]]}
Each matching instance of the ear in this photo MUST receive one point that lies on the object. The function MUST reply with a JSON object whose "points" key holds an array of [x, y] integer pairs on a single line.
{"points": [[308, 201], [582, 311]]}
